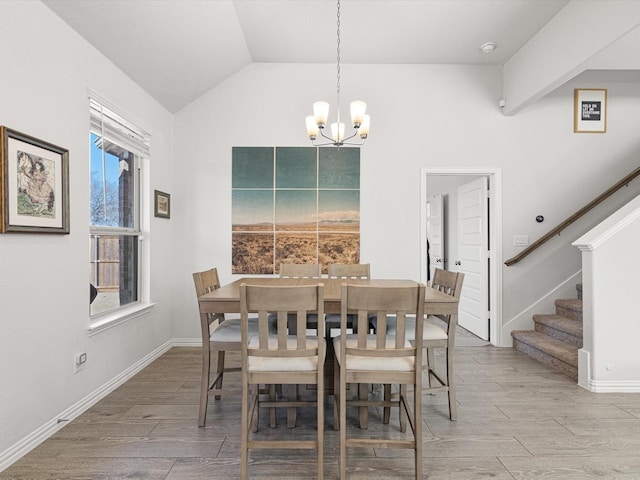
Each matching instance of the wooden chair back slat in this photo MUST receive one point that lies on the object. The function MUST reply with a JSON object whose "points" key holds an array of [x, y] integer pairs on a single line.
{"points": [[447, 282], [383, 301], [300, 270], [282, 301], [349, 270]]}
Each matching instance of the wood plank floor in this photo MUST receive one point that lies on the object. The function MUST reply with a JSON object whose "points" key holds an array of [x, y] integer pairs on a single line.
{"points": [[517, 420]]}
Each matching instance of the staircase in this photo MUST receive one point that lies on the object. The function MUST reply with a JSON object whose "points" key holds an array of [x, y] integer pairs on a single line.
{"points": [[556, 338]]}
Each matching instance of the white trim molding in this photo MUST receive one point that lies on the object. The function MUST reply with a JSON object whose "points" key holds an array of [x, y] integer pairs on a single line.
{"points": [[494, 174]]}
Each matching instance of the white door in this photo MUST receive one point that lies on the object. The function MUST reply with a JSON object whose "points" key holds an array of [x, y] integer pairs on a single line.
{"points": [[473, 257], [435, 233]]}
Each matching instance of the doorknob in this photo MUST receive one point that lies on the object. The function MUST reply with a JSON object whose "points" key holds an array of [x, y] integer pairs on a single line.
{"points": [[458, 262], [438, 260]]}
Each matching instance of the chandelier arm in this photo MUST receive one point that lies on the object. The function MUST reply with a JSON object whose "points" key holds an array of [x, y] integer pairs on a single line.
{"points": [[349, 138], [321, 131], [315, 144]]}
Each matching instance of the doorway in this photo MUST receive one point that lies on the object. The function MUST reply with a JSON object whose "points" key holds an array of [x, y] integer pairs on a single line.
{"points": [[482, 284]]}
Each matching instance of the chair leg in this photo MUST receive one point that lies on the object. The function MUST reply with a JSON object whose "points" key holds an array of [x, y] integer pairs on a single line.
{"points": [[220, 372], [244, 434], [336, 394], [320, 427], [431, 364], [254, 412], [363, 394], [386, 418], [204, 385], [403, 412], [453, 407], [343, 430], [273, 422], [292, 412], [417, 421]]}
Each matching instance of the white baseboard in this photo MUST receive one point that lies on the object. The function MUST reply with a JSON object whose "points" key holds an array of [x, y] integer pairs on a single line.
{"points": [[187, 342], [584, 368], [31, 441], [614, 387]]}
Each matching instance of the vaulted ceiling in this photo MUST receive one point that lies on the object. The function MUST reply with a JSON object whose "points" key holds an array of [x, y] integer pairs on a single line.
{"points": [[179, 49]]}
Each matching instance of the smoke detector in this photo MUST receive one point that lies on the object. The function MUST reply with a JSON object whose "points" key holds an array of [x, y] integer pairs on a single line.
{"points": [[488, 47]]}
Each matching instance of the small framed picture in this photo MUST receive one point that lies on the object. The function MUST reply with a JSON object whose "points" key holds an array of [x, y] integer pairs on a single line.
{"points": [[34, 185], [162, 204], [590, 110]]}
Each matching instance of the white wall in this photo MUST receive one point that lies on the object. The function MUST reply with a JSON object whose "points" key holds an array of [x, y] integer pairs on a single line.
{"points": [[430, 116], [608, 358], [423, 116], [44, 305]]}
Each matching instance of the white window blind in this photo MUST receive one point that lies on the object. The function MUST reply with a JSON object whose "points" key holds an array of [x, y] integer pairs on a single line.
{"points": [[113, 125]]}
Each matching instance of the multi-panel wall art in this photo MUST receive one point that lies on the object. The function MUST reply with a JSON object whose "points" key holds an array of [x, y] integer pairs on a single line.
{"points": [[294, 205]]}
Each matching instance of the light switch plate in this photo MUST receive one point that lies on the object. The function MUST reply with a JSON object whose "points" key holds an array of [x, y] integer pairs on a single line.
{"points": [[520, 240]]}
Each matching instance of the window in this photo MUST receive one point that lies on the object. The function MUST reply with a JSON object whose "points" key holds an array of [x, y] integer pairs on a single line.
{"points": [[118, 147]]}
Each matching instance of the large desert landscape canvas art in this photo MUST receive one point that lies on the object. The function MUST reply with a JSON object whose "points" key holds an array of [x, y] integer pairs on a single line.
{"points": [[294, 205]]}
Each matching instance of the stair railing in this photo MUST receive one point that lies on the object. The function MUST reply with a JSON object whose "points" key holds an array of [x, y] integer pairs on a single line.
{"points": [[556, 231]]}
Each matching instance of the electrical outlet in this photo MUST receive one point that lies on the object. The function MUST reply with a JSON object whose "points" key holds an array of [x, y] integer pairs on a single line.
{"points": [[79, 360]]}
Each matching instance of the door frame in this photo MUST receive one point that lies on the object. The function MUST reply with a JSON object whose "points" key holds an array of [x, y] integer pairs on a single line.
{"points": [[494, 176]]}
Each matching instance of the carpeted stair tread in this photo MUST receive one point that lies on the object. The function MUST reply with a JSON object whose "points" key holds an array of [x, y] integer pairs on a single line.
{"points": [[555, 353], [569, 307], [562, 328]]}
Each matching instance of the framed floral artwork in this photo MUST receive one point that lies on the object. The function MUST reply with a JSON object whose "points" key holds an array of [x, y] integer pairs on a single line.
{"points": [[34, 184]]}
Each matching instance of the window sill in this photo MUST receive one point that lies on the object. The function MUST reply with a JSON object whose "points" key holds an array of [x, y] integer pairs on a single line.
{"points": [[104, 322]]}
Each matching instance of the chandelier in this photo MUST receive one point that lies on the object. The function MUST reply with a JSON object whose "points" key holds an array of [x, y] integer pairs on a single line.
{"points": [[317, 122]]}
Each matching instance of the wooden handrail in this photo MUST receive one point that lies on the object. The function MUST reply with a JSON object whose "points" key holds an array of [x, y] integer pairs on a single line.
{"points": [[556, 231]]}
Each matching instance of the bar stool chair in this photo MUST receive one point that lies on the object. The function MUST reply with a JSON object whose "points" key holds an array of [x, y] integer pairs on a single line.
{"points": [[380, 358], [280, 359], [219, 335], [436, 336]]}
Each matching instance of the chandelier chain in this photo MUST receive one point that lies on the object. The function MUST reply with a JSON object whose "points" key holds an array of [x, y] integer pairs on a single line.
{"points": [[317, 122], [338, 50]]}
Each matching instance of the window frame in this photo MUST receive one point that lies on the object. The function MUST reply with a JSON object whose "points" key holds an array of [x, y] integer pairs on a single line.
{"points": [[140, 150]]}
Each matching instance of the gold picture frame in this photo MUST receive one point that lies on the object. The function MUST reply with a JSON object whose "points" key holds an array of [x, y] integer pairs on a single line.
{"points": [[162, 204], [590, 110], [34, 184]]}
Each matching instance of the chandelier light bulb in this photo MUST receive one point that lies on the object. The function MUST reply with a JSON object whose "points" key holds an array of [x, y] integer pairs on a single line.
{"points": [[337, 132], [321, 113], [312, 127], [363, 131], [358, 109]]}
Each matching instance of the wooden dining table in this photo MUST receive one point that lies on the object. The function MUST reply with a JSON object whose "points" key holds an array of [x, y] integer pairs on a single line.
{"points": [[226, 299]]}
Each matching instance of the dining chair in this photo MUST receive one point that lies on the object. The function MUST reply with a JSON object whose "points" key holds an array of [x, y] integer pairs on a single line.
{"points": [[280, 358], [441, 335], [347, 271], [434, 336], [300, 270], [219, 335], [378, 357], [297, 270]]}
